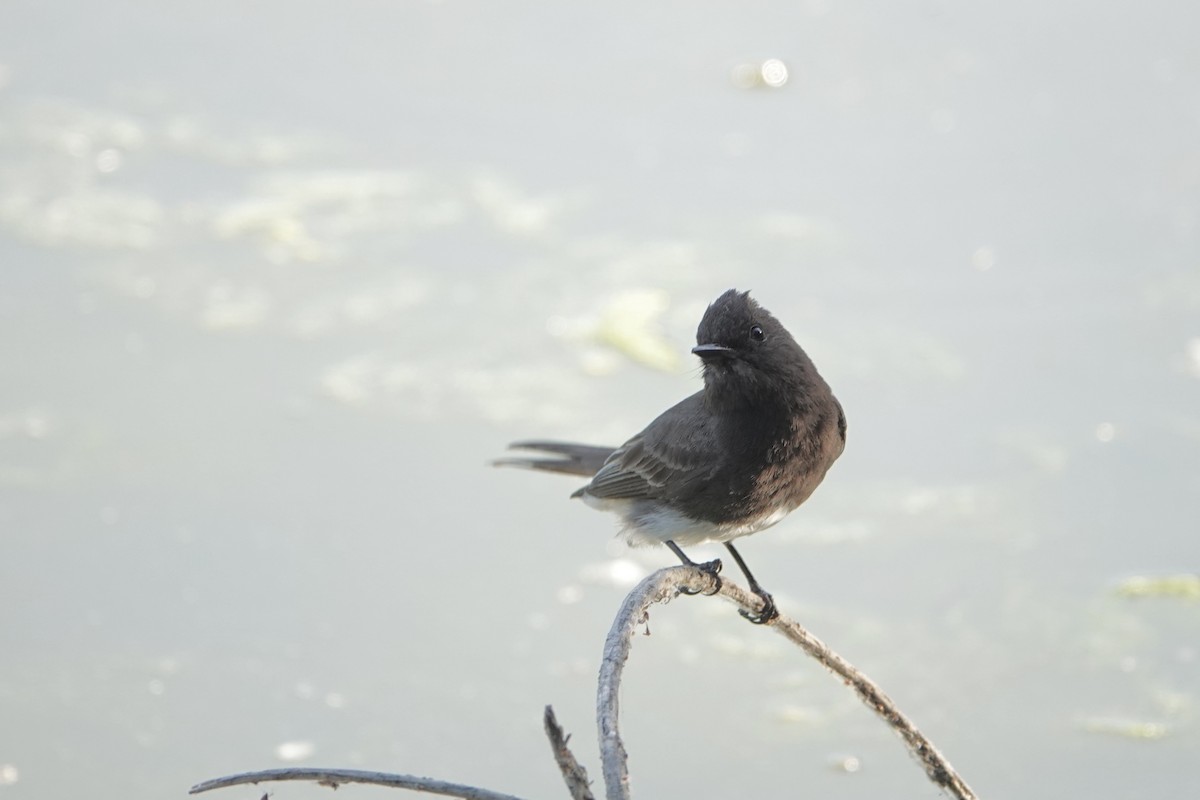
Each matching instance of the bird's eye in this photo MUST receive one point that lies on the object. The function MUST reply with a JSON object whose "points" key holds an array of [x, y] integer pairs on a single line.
{"points": [[757, 333]]}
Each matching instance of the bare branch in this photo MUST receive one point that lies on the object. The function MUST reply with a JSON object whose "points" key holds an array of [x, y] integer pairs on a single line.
{"points": [[661, 587], [665, 585], [336, 777], [935, 764], [573, 773]]}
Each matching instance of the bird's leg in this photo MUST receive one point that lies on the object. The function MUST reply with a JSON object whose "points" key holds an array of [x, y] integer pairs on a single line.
{"points": [[769, 612], [708, 567]]}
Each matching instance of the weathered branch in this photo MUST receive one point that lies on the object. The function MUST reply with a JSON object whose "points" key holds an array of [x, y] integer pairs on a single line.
{"points": [[336, 777], [573, 773], [661, 587], [665, 585]]}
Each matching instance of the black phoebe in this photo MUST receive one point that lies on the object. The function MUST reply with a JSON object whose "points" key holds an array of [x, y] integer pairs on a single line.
{"points": [[728, 461]]}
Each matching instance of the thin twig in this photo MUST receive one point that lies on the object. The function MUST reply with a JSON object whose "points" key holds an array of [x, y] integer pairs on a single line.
{"points": [[936, 767], [573, 772], [665, 585], [335, 777]]}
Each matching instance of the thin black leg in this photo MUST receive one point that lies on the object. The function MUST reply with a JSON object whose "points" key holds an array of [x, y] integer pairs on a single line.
{"points": [[711, 567], [769, 612]]}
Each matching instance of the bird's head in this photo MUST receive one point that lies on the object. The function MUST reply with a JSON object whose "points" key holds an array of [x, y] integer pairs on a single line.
{"points": [[747, 354]]}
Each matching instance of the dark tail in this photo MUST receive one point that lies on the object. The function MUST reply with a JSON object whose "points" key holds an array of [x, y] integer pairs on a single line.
{"points": [[567, 458]]}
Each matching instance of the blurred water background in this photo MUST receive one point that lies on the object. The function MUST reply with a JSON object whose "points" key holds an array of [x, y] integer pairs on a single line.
{"points": [[277, 280]]}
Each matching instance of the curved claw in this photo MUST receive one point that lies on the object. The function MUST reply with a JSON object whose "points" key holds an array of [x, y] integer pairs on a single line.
{"points": [[712, 568], [768, 612], [709, 568]]}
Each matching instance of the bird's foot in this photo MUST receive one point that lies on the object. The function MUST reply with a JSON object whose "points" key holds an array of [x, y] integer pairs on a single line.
{"points": [[768, 612], [708, 568]]}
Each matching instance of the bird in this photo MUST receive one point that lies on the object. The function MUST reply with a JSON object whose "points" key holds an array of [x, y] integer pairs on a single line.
{"points": [[730, 460]]}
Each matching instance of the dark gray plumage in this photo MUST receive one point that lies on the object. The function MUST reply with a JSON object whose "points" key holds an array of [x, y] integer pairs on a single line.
{"points": [[732, 459]]}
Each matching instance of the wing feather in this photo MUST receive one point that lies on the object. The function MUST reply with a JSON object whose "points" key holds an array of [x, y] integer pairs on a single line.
{"points": [[671, 446]]}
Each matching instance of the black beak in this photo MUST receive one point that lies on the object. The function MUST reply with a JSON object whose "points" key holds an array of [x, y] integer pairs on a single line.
{"points": [[707, 351]]}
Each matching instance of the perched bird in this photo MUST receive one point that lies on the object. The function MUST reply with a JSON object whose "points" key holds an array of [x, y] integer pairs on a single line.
{"points": [[732, 459]]}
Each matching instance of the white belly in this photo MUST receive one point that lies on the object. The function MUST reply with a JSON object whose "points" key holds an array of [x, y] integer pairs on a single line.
{"points": [[642, 523]]}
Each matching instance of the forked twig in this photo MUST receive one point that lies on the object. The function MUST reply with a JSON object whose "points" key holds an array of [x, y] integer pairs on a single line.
{"points": [[660, 587]]}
